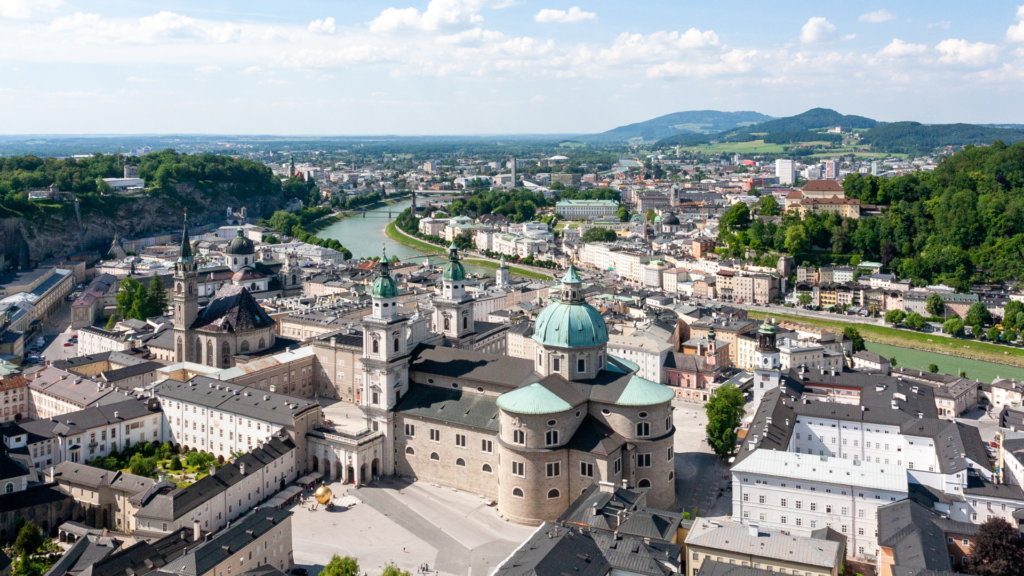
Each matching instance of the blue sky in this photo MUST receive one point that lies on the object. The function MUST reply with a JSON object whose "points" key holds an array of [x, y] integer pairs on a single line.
{"points": [[494, 66]]}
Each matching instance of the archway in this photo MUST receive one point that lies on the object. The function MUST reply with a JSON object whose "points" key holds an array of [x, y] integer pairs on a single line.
{"points": [[316, 464], [327, 469], [106, 518], [374, 472], [350, 473], [337, 472], [362, 474]]}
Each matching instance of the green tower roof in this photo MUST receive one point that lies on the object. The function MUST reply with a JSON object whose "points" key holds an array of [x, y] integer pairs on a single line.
{"points": [[453, 271], [532, 399], [185, 255], [384, 286]]}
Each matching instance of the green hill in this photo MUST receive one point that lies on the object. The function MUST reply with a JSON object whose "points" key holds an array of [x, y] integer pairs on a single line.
{"points": [[791, 125], [692, 122], [915, 137]]}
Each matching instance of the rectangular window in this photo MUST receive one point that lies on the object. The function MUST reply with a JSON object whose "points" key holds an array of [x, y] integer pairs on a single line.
{"points": [[410, 430], [618, 465], [643, 461], [643, 429], [587, 469], [519, 437], [551, 438], [581, 365], [554, 469], [460, 440], [556, 365], [486, 446], [435, 434], [760, 499], [518, 469]]}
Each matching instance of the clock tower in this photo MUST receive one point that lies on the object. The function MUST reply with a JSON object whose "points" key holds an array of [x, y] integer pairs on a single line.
{"points": [[186, 300]]}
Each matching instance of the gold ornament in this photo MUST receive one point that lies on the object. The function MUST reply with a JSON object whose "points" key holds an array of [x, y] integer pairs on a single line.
{"points": [[322, 494]]}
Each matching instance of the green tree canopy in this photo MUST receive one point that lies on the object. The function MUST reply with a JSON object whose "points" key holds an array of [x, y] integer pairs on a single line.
{"points": [[598, 234], [934, 305], [736, 217], [953, 326], [29, 539], [338, 566], [623, 213], [724, 411], [895, 316], [768, 206], [853, 335], [933, 368], [978, 314], [915, 321], [805, 299]]}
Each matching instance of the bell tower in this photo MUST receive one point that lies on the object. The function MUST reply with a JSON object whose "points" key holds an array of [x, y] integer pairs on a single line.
{"points": [[767, 368], [385, 361], [453, 309], [186, 299]]}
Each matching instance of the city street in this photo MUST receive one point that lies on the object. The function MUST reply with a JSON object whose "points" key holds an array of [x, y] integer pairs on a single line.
{"points": [[409, 525], [57, 331], [701, 476]]}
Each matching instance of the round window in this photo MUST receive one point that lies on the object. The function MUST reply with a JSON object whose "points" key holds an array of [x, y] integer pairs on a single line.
{"points": [[578, 413], [643, 414], [606, 411], [552, 422], [430, 380], [480, 389], [454, 385]]}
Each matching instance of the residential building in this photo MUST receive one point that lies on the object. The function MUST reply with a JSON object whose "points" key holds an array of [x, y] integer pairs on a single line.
{"points": [[52, 392], [785, 171], [586, 209], [865, 360], [913, 539], [821, 553]]}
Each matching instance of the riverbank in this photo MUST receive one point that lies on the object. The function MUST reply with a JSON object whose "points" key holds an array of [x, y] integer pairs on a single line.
{"points": [[512, 269], [914, 340], [405, 240]]}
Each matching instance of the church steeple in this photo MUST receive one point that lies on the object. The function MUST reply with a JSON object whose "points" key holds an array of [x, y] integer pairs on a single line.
{"points": [[185, 254], [185, 301]]}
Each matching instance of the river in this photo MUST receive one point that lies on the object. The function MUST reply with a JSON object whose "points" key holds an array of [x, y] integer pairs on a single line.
{"points": [[364, 237]]}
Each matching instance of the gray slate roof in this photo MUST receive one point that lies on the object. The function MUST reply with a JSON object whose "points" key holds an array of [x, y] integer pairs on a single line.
{"points": [[228, 541], [249, 402], [455, 406]]}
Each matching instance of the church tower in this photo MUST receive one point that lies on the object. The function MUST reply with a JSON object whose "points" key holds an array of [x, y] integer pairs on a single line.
{"points": [[385, 362], [501, 276], [186, 299], [453, 309], [767, 368]]}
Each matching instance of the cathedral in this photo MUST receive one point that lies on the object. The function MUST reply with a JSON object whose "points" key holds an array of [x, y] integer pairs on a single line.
{"points": [[531, 434], [232, 324]]}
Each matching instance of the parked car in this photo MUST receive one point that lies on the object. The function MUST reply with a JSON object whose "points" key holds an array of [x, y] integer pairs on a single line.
{"points": [[69, 343]]}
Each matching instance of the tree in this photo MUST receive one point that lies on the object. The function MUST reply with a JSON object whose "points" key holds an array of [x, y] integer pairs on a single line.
{"points": [[29, 539], [853, 335], [724, 410], [651, 215], [997, 550], [892, 362], [175, 464], [598, 234], [805, 299], [271, 239], [915, 321], [623, 213], [895, 316], [111, 322], [993, 334], [1013, 308], [933, 368], [736, 217], [954, 327], [934, 305], [131, 292], [156, 297], [141, 465], [338, 566], [392, 570], [978, 314], [768, 205], [797, 243], [464, 241]]}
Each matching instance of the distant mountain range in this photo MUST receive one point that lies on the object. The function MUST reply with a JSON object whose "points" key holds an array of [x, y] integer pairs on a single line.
{"points": [[698, 127], [693, 122]]}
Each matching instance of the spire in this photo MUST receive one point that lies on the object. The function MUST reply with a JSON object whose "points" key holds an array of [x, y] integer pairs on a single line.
{"points": [[571, 277], [385, 266], [503, 265], [186, 246], [453, 253]]}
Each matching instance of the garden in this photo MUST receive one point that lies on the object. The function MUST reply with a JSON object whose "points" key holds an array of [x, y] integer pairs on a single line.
{"points": [[151, 460]]}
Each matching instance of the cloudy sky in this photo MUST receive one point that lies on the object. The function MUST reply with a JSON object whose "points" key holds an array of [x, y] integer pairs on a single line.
{"points": [[495, 66]]}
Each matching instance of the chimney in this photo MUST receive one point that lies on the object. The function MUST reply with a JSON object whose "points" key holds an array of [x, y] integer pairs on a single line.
{"points": [[53, 473], [116, 414], [197, 534], [213, 470], [752, 528], [241, 468]]}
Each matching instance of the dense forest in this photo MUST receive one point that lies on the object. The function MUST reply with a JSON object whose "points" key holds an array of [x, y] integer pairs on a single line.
{"points": [[159, 170], [960, 224], [521, 205], [915, 138]]}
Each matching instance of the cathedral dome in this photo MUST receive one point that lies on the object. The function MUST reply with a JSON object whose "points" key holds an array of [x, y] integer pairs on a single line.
{"points": [[453, 271], [570, 322], [240, 245], [384, 286], [670, 220]]}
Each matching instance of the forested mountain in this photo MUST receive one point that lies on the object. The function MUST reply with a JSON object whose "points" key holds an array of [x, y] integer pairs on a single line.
{"points": [[692, 122], [795, 128], [960, 224], [915, 137]]}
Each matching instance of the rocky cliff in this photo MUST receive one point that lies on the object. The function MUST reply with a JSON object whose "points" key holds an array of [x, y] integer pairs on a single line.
{"points": [[59, 235]]}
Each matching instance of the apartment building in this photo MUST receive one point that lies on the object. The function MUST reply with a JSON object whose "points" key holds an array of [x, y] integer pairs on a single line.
{"points": [[52, 392], [762, 548], [15, 388], [586, 209]]}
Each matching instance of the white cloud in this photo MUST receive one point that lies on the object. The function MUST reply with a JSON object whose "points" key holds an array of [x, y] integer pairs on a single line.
{"points": [[137, 79], [732, 62], [25, 8], [325, 26], [877, 16], [208, 69], [538, 98], [439, 15], [957, 51], [1015, 33], [694, 38], [898, 48], [471, 36], [817, 29], [574, 14], [849, 36], [252, 70], [158, 28], [657, 45]]}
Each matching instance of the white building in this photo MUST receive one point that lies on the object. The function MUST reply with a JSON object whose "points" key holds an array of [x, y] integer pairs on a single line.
{"points": [[586, 209], [801, 493], [785, 171]]}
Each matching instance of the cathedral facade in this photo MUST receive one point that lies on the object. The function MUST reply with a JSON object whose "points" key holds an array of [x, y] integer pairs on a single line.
{"points": [[532, 434]]}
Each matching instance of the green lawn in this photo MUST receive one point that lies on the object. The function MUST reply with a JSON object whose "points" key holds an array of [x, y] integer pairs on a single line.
{"points": [[394, 234], [752, 147], [513, 269], [916, 340]]}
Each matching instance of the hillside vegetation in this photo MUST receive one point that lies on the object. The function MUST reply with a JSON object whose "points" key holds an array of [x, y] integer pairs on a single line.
{"points": [[691, 122]]}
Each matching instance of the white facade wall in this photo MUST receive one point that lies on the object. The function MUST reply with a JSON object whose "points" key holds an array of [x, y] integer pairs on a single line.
{"points": [[214, 431]]}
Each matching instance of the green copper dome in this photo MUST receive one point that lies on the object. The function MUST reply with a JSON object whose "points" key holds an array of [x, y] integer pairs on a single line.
{"points": [[384, 286], [570, 322], [453, 271], [643, 392], [532, 399]]}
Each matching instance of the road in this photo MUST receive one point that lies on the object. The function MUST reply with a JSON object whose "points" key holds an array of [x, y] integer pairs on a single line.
{"points": [[56, 330]]}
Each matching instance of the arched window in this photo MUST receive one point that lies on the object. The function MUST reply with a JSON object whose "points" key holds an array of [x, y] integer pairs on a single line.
{"points": [[294, 281], [517, 492], [465, 323], [460, 462], [409, 450], [225, 351], [434, 456], [9, 488], [199, 351], [396, 344], [376, 347], [645, 483], [486, 468], [181, 345], [447, 324], [209, 353], [236, 261], [244, 346], [252, 286], [553, 493], [263, 344]]}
